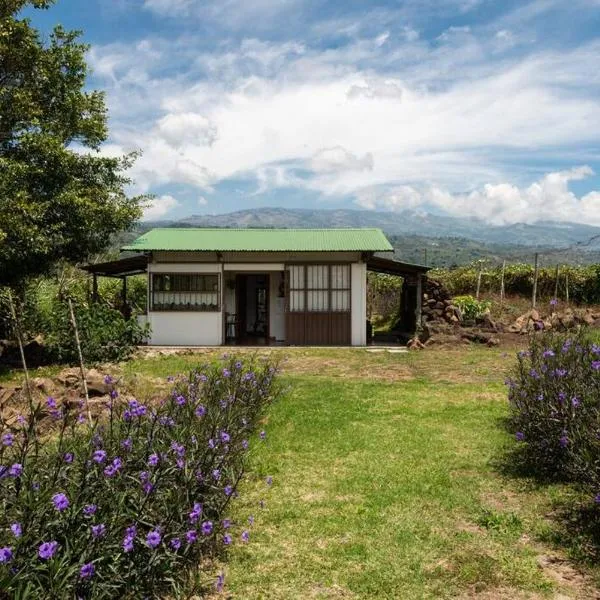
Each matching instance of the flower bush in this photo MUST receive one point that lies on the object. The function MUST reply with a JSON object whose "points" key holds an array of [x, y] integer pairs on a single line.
{"points": [[554, 397], [133, 503]]}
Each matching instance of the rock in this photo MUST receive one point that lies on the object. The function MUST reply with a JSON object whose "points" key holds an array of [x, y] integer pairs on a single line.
{"points": [[493, 341], [95, 383], [44, 385]]}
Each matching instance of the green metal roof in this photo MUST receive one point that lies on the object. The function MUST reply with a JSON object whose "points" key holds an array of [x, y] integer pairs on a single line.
{"points": [[262, 240]]}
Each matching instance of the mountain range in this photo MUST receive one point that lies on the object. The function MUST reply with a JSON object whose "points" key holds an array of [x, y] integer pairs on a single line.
{"points": [[424, 237]]}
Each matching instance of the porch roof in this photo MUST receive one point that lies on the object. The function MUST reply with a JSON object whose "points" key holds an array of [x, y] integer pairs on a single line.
{"points": [[391, 266], [121, 267], [261, 240]]}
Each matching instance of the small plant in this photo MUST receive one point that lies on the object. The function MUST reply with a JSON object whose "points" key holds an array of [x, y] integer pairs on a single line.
{"points": [[470, 307], [133, 504], [554, 396]]}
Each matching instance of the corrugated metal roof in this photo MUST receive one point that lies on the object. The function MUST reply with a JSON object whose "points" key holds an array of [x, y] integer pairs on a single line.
{"points": [[262, 240]]}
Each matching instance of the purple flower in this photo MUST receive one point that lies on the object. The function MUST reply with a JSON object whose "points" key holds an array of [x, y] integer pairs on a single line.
{"points": [[86, 571], [47, 549], [225, 437], [226, 523], [21, 420], [8, 439], [98, 531], [191, 536], [144, 476], [153, 459], [179, 449], [563, 440], [196, 512], [597, 499], [127, 415], [216, 474], [147, 487], [245, 536], [153, 539], [128, 544], [90, 509], [548, 353], [81, 419], [238, 365], [596, 365], [566, 346], [114, 394], [560, 372], [207, 527], [220, 582], [553, 302], [269, 480], [68, 457], [167, 421], [228, 490], [245, 444], [50, 402], [227, 539], [16, 529], [575, 402], [16, 470], [226, 372], [263, 435], [534, 374], [520, 436], [127, 444], [175, 543], [6, 554], [251, 520], [180, 400], [211, 444], [99, 456], [203, 378], [60, 501]]}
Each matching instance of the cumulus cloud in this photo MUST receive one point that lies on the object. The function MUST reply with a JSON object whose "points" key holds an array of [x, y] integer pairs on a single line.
{"points": [[158, 207], [501, 203], [178, 129], [336, 159]]}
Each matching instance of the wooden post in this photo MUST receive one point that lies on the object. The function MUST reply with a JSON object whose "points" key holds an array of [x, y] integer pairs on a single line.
{"points": [[567, 287], [556, 283], [502, 283], [94, 287], [81, 367], [535, 280], [419, 304], [478, 282], [13, 313]]}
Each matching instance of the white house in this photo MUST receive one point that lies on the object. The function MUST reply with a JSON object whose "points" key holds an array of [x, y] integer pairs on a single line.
{"points": [[211, 287]]}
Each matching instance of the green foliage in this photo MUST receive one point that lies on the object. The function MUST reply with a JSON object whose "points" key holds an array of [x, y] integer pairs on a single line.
{"points": [[555, 407], [383, 297], [104, 334], [171, 469], [56, 203], [470, 307], [583, 281]]}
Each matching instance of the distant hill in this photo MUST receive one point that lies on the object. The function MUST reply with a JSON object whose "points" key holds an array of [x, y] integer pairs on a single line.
{"points": [[403, 223], [437, 240]]}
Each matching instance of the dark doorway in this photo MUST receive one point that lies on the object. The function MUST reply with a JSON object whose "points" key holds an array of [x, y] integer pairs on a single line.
{"points": [[252, 308]]}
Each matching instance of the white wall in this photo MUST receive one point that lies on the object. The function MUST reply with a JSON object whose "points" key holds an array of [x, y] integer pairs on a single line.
{"points": [[359, 304], [186, 328]]}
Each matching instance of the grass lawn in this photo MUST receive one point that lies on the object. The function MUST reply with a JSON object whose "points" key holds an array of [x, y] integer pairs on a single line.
{"points": [[386, 484]]}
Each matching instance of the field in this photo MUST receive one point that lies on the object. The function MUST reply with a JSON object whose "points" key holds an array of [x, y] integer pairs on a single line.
{"points": [[389, 482]]}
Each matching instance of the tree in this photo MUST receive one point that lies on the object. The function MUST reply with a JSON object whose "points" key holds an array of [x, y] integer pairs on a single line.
{"points": [[59, 198]]}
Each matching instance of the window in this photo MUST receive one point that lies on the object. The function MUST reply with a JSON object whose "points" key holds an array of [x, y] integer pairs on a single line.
{"points": [[185, 291], [319, 288]]}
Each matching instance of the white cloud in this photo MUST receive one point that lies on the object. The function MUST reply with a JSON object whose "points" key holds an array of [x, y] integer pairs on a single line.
{"points": [[202, 201], [501, 203], [158, 207], [179, 129], [334, 160]]}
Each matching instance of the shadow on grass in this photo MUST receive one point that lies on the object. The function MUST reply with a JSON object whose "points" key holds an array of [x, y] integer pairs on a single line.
{"points": [[573, 522]]}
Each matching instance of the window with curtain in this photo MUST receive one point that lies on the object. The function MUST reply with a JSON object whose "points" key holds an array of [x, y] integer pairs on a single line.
{"points": [[185, 292]]}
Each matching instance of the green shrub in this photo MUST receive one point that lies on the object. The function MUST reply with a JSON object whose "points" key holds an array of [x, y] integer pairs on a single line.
{"points": [[135, 505], [470, 307], [554, 397], [104, 334]]}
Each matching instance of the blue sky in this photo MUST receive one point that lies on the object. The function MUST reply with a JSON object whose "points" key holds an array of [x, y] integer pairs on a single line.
{"points": [[480, 108]]}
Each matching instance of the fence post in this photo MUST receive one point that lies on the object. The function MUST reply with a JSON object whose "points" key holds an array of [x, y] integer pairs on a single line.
{"points": [[535, 280], [502, 283], [13, 313], [567, 287], [478, 282], [556, 283], [81, 367]]}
